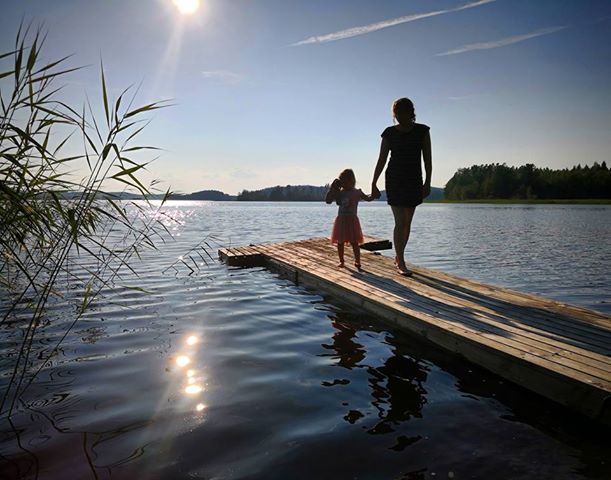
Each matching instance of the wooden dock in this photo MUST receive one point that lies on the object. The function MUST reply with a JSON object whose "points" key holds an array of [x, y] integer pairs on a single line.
{"points": [[560, 351]]}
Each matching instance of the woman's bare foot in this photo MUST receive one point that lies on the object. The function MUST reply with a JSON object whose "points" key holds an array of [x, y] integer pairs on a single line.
{"points": [[358, 266], [340, 265], [403, 270]]}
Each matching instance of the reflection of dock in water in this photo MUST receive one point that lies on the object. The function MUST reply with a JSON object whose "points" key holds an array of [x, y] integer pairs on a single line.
{"points": [[560, 351]]}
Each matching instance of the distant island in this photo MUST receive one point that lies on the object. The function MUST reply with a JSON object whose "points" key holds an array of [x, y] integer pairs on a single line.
{"points": [[499, 182], [215, 195]]}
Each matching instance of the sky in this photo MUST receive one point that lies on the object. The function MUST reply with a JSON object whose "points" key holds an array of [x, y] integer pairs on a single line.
{"points": [[277, 92]]}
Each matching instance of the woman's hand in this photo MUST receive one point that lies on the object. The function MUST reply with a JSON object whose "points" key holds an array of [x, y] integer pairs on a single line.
{"points": [[336, 185], [375, 192], [426, 190]]}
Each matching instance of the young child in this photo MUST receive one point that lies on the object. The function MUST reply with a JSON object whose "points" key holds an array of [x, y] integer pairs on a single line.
{"points": [[347, 228]]}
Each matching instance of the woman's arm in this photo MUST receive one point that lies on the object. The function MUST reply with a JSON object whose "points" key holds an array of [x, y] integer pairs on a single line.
{"points": [[384, 149], [427, 156]]}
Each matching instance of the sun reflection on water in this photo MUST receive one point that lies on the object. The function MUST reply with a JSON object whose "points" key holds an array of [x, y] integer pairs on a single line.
{"points": [[182, 360], [193, 389], [193, 386]]}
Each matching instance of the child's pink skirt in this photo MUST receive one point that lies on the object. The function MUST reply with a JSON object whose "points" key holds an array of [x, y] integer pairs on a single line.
{"points": [[347, 229]]}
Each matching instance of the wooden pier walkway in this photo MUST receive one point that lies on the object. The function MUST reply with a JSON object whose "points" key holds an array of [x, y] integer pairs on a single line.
{"points": [[560, 351]]}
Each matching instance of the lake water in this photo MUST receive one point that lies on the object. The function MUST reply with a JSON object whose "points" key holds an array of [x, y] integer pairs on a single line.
{"points": [[236, 374]]}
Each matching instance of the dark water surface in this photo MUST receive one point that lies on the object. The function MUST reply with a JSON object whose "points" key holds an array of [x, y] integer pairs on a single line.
{"points": [[237, 374]]}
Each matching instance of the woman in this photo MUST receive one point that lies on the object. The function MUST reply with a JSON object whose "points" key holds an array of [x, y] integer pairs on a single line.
{"points": [[408, 143]]}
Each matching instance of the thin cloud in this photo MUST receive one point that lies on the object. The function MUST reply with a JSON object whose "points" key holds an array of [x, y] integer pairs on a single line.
{"points": [[364, 29], [502, 42], [222, 76]]}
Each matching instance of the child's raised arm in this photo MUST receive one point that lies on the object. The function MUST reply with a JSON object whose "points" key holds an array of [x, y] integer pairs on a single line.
{"points": [[333, 191]]}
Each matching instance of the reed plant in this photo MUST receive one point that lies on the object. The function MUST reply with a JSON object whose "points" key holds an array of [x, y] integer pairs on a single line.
{"points": [[58, 222]]}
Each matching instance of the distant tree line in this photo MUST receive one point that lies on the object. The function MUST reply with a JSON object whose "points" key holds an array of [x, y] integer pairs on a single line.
{"points": [[527, 181], [289, 193], [306, 193], [215, 195]]}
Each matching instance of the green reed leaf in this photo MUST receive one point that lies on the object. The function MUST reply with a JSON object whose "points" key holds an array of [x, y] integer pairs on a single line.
{"points": [[104, 94]]}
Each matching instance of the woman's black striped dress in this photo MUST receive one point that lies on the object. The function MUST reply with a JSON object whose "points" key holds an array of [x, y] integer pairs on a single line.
{"points": [[404, 171]]}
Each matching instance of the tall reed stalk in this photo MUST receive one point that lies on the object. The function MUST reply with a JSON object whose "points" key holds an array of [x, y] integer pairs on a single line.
{"points": [[47, 230]]}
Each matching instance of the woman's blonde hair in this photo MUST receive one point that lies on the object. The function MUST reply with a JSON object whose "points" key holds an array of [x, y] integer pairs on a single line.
{"points": [[403, 111]]}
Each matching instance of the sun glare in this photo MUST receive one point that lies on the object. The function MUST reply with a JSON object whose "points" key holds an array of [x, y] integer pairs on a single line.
{"points": [[186, 7]]}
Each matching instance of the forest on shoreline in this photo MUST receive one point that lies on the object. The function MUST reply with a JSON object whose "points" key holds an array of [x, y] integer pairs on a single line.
{"points": [[527, 182]]}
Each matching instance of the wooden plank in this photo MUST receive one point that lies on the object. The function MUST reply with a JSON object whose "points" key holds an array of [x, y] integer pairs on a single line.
{"points": [[524, 299]]}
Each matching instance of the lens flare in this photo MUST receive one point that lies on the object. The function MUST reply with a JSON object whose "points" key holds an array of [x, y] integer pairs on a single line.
{"points": [[186, 7], [200, 407], [190, 372], [192, 340]]}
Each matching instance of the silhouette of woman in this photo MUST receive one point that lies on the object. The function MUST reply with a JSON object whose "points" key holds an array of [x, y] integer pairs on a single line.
{"points": [[408, 143]]}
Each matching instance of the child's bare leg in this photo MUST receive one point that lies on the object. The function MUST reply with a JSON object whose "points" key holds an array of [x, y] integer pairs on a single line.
{"points": [[340, 253], [357, 255]]}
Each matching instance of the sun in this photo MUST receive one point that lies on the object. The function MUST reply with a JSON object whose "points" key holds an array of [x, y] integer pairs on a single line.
{"points": [[186, 7]]}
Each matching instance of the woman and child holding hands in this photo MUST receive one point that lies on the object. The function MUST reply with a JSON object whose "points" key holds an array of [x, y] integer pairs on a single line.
{"points": [[408, 143]]}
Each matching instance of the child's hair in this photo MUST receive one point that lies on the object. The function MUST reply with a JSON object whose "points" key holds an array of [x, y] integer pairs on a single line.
{"points": [[403, 111], [347, 174]]}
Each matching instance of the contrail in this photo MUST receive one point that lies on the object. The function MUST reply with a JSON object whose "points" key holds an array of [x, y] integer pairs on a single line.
{"points": [[362, 30], [502, 42]]}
